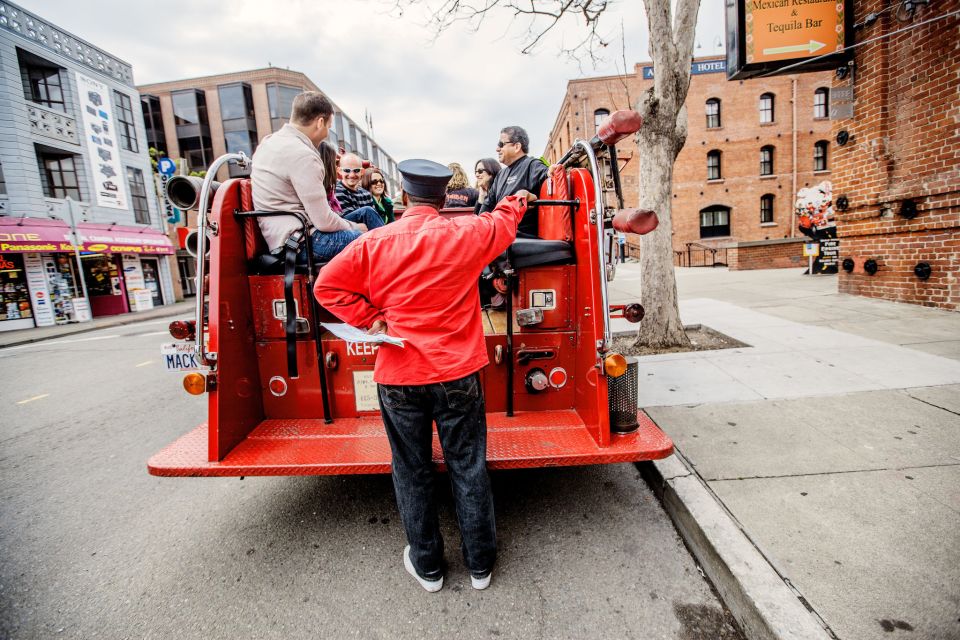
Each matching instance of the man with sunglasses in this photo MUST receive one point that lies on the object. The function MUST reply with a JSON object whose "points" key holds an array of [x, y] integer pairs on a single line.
{"points": [[522, 173], [350, 194]]}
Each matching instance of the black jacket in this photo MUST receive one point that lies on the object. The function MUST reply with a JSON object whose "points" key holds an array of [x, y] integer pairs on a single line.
{"points": [[525, 174]]}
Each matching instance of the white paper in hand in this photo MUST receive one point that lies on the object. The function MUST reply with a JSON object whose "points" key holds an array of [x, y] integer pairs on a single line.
{"points": [[352, 334]]}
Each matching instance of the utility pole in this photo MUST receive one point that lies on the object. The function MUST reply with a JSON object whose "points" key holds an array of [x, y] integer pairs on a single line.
{"points": [[76, 252]]}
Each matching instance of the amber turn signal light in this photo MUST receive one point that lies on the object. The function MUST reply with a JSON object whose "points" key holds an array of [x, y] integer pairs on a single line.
{"points": [[194, 383], [615, 365]]}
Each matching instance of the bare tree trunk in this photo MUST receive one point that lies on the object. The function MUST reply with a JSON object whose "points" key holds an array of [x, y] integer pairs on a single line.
{"points": [[661, 138]]}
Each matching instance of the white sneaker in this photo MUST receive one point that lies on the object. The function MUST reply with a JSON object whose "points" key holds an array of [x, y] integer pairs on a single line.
{"points": [[481, 583], [430, 585]]}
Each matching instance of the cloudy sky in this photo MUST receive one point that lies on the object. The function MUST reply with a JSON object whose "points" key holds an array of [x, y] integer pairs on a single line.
{"points": [[443, 97]]}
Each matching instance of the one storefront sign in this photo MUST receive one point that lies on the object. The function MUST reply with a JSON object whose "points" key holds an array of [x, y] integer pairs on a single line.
{"points": [[39, 294], [841, 102], [133, 277], [46, 235], [697, 68], [103, 144], [811, 250], [142, 300]]}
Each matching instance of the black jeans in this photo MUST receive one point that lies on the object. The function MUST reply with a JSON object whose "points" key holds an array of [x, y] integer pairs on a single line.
{"points": [[457, 407]]}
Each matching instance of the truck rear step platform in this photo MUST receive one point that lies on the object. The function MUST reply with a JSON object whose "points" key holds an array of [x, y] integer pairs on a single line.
{"points": [[359, 445]]}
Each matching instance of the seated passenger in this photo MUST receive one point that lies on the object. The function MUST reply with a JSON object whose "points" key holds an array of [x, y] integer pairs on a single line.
{"points": [[374, 182], [288, 176], [330, 171], [485, 171], [459, 191], [522, 172]]}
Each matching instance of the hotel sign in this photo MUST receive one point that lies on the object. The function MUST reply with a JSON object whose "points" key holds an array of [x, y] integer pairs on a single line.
{"points": [[764, 36]]}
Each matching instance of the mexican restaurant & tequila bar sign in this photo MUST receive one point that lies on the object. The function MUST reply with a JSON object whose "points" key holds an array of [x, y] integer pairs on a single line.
{"points": [[766, 35]]}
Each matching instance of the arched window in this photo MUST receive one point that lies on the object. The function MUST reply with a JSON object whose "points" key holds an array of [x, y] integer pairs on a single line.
{"points": [[766, 108], [766, 160], [820, 155], [713, 165], [821, 103], [714, 221], [713, 113], [766, 208], [598, 117]]}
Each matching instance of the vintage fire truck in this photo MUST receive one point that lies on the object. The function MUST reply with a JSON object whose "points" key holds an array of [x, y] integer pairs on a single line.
{"points": [[287, 397]]}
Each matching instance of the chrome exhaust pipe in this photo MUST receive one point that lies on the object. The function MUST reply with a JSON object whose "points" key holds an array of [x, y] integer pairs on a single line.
{"points": [[184, 191]]}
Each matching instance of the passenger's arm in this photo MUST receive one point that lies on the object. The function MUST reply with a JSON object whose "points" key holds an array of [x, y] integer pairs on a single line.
{"points": [[307, 180], [343, 291]]}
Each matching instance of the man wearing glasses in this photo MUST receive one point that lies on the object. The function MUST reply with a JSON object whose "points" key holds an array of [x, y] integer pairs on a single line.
{"points": [[522, 173], [350, 194]]}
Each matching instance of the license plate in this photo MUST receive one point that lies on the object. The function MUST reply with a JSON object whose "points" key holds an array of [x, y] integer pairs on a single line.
{"points": [[180, 356]]}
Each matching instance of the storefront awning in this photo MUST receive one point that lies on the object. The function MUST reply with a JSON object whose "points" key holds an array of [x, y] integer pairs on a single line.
{"points": [[46, 235]]}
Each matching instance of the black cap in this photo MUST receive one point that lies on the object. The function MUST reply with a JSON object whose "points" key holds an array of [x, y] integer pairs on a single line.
{"points": [[424, 178]]}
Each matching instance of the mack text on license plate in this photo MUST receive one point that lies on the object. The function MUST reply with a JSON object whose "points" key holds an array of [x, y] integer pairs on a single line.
{"points": [[180, 356]]}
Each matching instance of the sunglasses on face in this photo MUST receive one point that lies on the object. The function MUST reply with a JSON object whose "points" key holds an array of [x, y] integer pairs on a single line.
{"points": [[501, 143], [480, 172], [373, 182], [351, 170]]}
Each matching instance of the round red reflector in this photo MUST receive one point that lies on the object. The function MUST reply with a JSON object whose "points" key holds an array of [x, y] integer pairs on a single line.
{"points": [[558, 378], [278, 386], [180, 329]]}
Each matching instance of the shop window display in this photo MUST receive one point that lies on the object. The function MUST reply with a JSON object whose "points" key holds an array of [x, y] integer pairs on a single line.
{"points": [[62, 283], [102, 276], [14, 295]]}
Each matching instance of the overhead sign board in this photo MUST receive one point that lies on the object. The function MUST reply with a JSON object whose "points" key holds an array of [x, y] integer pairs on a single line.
{"points": [[764, 36]]}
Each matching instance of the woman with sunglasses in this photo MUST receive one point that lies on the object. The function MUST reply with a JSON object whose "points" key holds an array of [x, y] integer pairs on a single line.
{"points": [[373, 182], [459, 191], [485, 171]]}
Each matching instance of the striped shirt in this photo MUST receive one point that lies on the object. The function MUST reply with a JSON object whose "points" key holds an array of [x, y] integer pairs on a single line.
{"points": [[351, 200]]}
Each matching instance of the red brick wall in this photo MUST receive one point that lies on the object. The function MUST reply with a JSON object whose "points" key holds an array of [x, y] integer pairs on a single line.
{"points": [[739, 138], [905, 144], [766, 255]]}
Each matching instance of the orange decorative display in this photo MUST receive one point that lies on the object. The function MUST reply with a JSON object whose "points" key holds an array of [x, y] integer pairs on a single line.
{"points": [[792, 29]]}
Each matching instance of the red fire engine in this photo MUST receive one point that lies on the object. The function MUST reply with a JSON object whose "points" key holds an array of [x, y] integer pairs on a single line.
{"points": [[286, 397]]}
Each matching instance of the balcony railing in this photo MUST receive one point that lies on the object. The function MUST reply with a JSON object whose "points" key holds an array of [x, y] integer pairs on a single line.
{"points": [[52, 124], [699, 255]]}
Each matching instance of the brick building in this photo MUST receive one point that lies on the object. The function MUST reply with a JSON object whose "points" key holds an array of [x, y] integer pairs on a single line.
{"points": [[80, 230], [900, 168], [750, 145], [200, 119]]}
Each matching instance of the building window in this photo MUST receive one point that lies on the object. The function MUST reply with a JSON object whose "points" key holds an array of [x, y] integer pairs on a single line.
{"points": [[821, 103], [42, 81], [766, 108], [3, 182], [189, 107], [766, 161], [713, 113], [766, 208], [235, 142], [236, 101], [128, 132], [820, 155], [197, 151], [598, 117], [138, 194], [153, 121], [714, 221], [713, 165], [60, 175], [280, 97], [239, 124]]}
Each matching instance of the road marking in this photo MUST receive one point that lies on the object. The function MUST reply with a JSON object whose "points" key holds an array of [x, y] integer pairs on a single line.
{"points": [[154, 333], [145, 363], [39, 397]]}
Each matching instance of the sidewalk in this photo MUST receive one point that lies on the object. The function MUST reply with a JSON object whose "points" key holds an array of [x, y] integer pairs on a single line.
{"points": [[24, 336], [833, 440]]}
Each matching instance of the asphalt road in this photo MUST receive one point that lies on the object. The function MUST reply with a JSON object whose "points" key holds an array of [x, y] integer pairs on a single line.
{"points": [[91, 546]]}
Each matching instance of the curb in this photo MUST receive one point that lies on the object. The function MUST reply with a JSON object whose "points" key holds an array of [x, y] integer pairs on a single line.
{"points": [[765, 607], [86, 328]]}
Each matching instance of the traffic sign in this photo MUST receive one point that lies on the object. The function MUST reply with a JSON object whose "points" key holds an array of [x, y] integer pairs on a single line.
{"points": [[166, 166]]}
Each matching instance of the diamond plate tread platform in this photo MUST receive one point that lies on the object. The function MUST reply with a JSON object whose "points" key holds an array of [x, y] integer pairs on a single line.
{"points": [[359, 445]]}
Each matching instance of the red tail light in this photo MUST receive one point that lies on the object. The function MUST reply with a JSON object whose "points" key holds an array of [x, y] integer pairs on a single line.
{"points": [[183, 329], [558, 378], [278, 386]]}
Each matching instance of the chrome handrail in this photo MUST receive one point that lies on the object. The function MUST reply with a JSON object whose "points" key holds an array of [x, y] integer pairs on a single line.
{"points": [[599, 213], [243, 161]]}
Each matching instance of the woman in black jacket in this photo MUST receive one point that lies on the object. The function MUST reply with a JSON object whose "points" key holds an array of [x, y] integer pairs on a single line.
{"points": [[373, 182]]}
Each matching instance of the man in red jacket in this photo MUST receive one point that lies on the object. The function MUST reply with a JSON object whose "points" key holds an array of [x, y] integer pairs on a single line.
{"points": [[417, 279]]}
